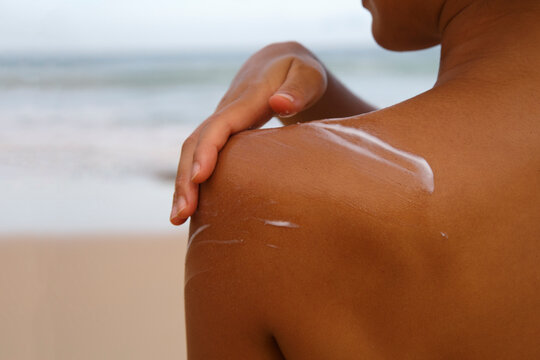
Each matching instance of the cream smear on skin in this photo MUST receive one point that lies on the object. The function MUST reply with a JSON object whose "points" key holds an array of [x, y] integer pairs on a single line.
{"points": [[381, 152], [221, 242], [278, 223], [197, 232]]}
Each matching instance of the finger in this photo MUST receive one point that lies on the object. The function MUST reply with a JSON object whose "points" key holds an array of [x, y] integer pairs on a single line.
{"points": [[304, 85], [185, 193], [247, 112]]}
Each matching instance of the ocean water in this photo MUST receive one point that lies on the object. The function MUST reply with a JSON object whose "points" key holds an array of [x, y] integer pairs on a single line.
{"points": [[91, 143]]}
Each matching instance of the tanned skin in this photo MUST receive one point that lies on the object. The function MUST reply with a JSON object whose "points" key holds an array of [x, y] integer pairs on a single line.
{"points": [[300, 251]]}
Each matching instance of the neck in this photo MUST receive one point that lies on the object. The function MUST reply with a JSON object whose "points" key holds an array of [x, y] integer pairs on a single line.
{"points": [[493, 41]]}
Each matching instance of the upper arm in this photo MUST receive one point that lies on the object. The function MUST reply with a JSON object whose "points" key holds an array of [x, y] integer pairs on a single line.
{"points": [[228, 290], [225, 316], [243, 278]]}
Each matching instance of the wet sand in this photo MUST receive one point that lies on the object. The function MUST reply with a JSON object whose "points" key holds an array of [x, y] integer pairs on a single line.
{"points": [[92, 296]]}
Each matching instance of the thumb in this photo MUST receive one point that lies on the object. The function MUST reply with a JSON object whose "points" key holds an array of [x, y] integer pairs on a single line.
{"points": [[304, 85]]}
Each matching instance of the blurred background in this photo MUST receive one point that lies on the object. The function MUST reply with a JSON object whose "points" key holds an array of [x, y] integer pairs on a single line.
{"points": [[96, 98]]}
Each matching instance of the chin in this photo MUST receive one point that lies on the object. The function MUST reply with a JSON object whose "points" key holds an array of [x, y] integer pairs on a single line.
{"points": [[366, 4], [399, 41]]}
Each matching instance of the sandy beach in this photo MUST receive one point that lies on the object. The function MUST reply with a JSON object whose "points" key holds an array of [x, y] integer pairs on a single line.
{"points": [[92, 296]]}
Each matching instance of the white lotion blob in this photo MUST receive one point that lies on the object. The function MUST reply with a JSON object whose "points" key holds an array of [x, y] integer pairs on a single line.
{"points": [[278, 223]]}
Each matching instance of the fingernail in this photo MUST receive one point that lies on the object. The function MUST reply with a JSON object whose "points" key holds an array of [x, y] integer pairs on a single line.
{"points": [[178, 207], [286, 96], [286, 115], [195, 170]]}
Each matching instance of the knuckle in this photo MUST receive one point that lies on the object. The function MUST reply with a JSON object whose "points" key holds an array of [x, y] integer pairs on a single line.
{"points": [[215, 130], [188, 143], [206, 130], [293, 46], [226, 127]]}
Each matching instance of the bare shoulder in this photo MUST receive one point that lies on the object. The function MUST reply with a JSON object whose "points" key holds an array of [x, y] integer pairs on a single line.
{"points": [[323, 184], [294, 216]]}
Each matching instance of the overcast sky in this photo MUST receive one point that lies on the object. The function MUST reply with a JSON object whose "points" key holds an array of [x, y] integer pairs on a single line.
{"points": [[124, 25]]}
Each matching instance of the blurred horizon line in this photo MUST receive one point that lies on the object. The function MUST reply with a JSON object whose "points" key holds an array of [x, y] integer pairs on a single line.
{"points": [[202, 50], [110, 53]]}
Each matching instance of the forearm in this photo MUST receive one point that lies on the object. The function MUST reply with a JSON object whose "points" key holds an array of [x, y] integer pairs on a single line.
{"points": [[337, 102]]}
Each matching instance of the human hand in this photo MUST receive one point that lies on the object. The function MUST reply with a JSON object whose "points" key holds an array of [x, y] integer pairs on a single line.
{"points": [[281, 79]]}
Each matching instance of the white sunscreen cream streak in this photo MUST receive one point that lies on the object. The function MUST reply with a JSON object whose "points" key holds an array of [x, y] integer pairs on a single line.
{"points": [[221, 242], [188, 278], [424, 171], [197, 232], [281, 223]]}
